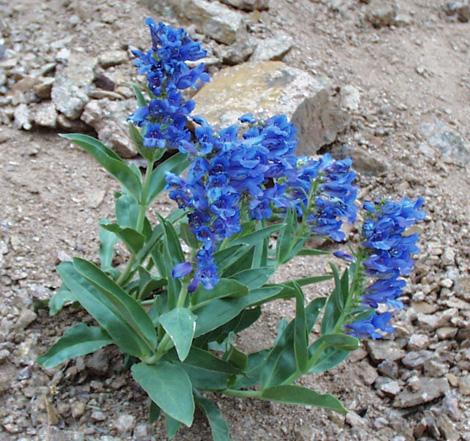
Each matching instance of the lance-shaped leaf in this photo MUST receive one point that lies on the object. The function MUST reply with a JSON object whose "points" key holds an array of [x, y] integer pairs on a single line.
{"points": [[76, 342], [281, 361], [219, 427], [133, 240], [110, 161], [119, 314], [300, 331], [220, 311], [336, 303], [255, 237], [169, 386], [206, 371], [107, 242], [292, 394], [255, 277], [180, 324], [172, 426], [59, 299], [225, 288]]}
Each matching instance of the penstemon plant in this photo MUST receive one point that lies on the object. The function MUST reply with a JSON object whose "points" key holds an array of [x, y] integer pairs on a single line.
{"points": [[198, 277]]}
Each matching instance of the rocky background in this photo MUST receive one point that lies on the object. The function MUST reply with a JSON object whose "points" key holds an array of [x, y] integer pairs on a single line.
{"points": [[386, 82]]}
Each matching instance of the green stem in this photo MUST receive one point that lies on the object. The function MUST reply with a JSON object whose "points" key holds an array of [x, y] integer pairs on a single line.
{"points": [[125, 274], [356, 291], [166, 343], [140, 221], [143, 200], [243, 393]]}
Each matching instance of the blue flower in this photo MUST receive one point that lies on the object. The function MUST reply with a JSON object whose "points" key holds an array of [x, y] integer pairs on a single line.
{"points": [[386, 256], [323, 192], [164, 119], [373, 327], [181, 270]]}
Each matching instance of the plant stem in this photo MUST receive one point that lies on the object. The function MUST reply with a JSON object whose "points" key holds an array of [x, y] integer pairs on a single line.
{"points": [[243, 393], [140, 220], [166, 344], [143, 200], [125, 274]]}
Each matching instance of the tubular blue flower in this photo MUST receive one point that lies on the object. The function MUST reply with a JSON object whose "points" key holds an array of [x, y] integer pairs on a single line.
{"points": [[386, 256], [323, 192], [373, 327], [163, 121], [181, 270]]}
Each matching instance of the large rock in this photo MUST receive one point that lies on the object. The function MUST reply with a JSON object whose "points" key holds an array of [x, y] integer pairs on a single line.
{"points": [[380, 350], [450, 143], [109, 119], [274, 48], [382, 13], [45, 115], [248, 5], [71, 86], [271, 88], [428, 389], [460, 9], [213, 19]]}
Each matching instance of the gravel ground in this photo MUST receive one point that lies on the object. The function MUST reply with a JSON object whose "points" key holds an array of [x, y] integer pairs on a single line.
{"points": [[403, 75]]}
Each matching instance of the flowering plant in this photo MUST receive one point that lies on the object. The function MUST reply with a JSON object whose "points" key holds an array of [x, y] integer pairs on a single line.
{"points": [[246, 205]]}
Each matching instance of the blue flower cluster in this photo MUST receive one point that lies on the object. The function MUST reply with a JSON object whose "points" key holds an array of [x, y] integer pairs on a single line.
{"points": [[245, 168], [254, 167], [323, 191], [164, 119], [234, 169], [388, 251]]}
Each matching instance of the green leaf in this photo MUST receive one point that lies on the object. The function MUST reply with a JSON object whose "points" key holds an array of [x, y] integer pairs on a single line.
{"points": [[59, 299], [180, 324], [312, 252], [337, 341], [304, 281], [286, 240], [292, 394], [141, 101], [254, 278], [336, 302], [252, 374], [154, 412], [225, 288], [169, 386], [244, 320], [107, 242], [127, 210], [172, 426], [156, 236], [76, 342], [228, 256], [255, 237], [134, 240], [281, 361], [244, 262], [205, 370], [300, 332], [188, 236], [120, 315], [219, 427], [220, 311], [109, 160], [132, 310], [330, 359], [236, 357], [150, 154], [175, 164]]}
